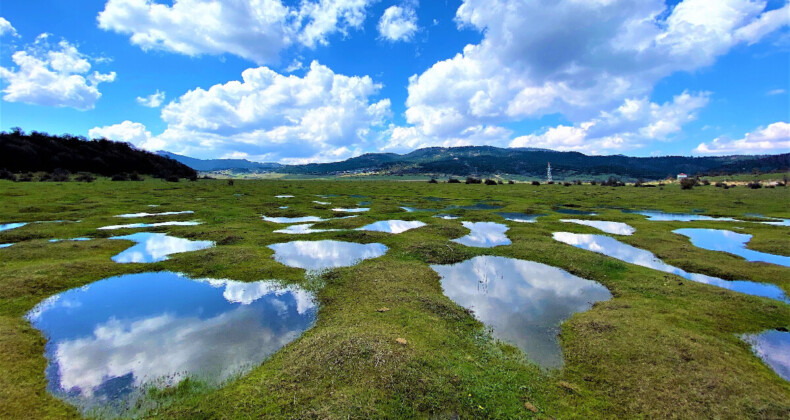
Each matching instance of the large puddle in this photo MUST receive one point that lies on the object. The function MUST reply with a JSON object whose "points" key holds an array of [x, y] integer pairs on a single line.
{"points": [[730, 242], [108, 339], [148, 225], [287, 220], [616, 249], [521, 217], [322, 255], [154, 247], [774, 348], [524, 302], [659, 216], [166, 213], [615, 228], [9, 226], [305, 229], [484, 235], [392, 226]]}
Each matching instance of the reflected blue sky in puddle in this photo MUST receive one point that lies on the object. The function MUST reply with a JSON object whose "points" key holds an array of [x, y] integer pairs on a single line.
{"points": [[154, 247], [72, 239], [166, 213], [322, 203], [484, 235], [303, 229], [521, 217], [284, 196], [447, 216], [322, 255], [616, 249], [415, 209], [352, 210], [287, 220], [106, 339], [5, 245], [773, 347], [615, 228], [392, 226], [659, 216], [524, 302], [9, 226], [730, 242], [149, 225]]}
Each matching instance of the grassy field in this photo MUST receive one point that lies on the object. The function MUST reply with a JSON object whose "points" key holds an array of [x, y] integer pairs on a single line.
{"points": [[662, 347]]}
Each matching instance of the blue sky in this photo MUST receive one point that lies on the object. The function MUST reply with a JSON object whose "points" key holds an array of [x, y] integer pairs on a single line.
{"points": [[310, 80]]}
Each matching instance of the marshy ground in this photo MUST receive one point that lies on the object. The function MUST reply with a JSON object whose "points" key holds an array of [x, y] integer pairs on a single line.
{"points": [[662, 346]]}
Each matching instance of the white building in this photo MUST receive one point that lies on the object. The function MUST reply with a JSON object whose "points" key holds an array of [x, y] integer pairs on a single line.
{"points": [[682, 176]]}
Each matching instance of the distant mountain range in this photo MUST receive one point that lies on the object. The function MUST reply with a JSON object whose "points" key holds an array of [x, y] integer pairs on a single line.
{"points": [[488, 160], [207, 165]]}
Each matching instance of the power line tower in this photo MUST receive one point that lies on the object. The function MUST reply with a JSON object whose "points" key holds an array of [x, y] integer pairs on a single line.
{"points": [[548, 173]]}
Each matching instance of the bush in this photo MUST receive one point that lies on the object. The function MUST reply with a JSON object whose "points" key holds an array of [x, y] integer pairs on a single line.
{"points": [[638, 183], [511, 182], [120, 177], [535, 182], [25, 177], [499, 181], [135, 177], [550, 182], [473, 180], [593, 182], [85, 177], [7, 175], [171, 178], [453, 181], [230, 182], [754, 185], [720, 185], [705, 182], [433, 181], [193, 177], [45, 177], [490, 182], [61, 175], [567, 184], [687, 183]]}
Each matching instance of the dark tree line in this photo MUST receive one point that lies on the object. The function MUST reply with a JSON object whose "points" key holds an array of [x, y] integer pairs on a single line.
{"points": [[35, 152]]}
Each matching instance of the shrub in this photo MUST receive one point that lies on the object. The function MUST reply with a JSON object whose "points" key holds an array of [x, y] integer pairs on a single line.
{"points": [[453, 181], [593, 182], [84, 177], [120, 177], [567, 184], [193, 177], [511, 182], [7, 175], [473, 180], [638, 183], [230, 182], [719, 185], [499, 181], [550, 182], [433, 181], [535, 182], [45, 177], [490, 182], [705, 182], [61, 175], [171, 178], [687, 183], [25, 177], [754, 185], [135, 177]]}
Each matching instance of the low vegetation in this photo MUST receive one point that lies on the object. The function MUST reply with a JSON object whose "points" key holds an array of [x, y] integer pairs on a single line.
{"points": [[662, 347]]}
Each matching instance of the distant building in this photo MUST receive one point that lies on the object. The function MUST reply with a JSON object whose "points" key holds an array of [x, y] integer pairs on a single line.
{"points": [[682, 176]]}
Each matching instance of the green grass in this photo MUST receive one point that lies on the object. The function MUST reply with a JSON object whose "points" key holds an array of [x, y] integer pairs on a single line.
{"points": [[662, 347]]}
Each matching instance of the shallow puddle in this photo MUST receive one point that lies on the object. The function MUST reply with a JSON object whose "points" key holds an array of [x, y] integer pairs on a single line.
{"points": [[484, 235], [321, 255], [354, 210], [521, 217], [447, 216], [659, 216], [616, 249], [149, 225], [303, 229], [730, 242], [9, 226], [774, 348], [323, 203], [415, 209], [5, 245], [283, 196], [615, 228], [524, 302], [108, 339], [288, 220], [72, 239], [167, 213], [392, 226], [154, 247]]}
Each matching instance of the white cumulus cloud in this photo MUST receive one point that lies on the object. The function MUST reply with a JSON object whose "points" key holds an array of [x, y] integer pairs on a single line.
{"points": [[52, 76], [6, 28], [574, 58], [772, 139], [398, 23], [268, 116], [256, 30], [153, 100]]}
